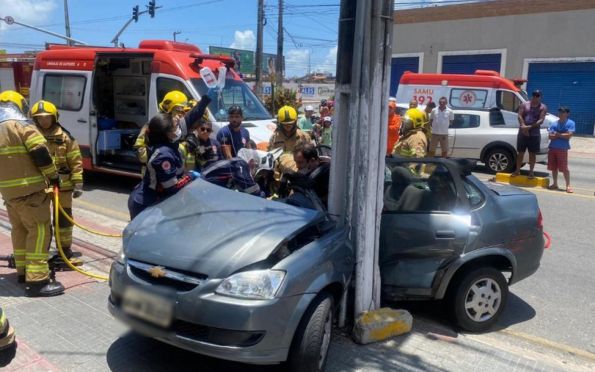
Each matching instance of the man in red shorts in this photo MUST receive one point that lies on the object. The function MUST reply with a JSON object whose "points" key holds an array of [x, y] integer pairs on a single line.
{"points": [[560, 133]]}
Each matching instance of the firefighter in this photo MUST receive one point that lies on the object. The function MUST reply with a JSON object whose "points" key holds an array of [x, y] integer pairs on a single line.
{"points": [[8, 346], [27, 167], [177, 105], [287, 136], [68, 160], [413, 143]]}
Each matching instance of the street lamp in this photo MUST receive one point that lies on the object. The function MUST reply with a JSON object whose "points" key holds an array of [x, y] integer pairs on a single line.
{"points": [[176, 33]]}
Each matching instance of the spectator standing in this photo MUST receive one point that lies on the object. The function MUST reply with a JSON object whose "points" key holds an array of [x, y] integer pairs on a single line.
{"points": [[305, 123], [394, 125], [560, 133], [440, 120], [427, 127], [326, 133], [531, 116]]}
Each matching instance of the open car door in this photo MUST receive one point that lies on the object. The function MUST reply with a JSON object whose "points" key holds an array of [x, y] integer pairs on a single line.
{"points": [[425, 224]]}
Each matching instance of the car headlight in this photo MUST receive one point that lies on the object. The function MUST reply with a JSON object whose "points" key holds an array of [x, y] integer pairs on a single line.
{"points": [[254, 285], [120, 257]]}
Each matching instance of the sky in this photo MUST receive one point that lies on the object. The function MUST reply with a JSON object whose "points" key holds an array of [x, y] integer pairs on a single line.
{"points": [[310, 26]]}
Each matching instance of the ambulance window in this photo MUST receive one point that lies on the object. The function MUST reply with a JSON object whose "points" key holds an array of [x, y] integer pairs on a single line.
{"points": [[65, 91], [165, 85], [468, 98], [507, 100]]}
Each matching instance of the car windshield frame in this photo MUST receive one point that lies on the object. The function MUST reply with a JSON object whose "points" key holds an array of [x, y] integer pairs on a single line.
{"points": [[252, 107]]}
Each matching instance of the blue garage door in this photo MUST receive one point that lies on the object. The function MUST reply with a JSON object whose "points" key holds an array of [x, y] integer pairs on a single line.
{"points": [[467, 64], [398, 67], [571, 84]]}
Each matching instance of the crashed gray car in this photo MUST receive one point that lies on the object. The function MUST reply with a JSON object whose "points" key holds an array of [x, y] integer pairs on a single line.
{"points": [[233, 276]]}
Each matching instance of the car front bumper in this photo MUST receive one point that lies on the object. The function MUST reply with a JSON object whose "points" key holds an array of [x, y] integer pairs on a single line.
{"points": [[248, 331]]}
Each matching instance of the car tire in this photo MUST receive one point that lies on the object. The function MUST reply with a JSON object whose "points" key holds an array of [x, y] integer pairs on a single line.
{"points": [[500, 159], [478, 298], [312, 340]]}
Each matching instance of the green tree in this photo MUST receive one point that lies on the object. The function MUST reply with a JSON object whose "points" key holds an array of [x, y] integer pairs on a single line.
{"points": [[280, 98]]}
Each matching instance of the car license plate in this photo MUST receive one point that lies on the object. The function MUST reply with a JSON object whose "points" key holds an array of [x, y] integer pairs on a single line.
{"points": [[147, 306]]}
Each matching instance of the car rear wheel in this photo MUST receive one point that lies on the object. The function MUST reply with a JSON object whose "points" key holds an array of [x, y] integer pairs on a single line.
{"points": [[500, 160], [478, 299], [312, 339]]}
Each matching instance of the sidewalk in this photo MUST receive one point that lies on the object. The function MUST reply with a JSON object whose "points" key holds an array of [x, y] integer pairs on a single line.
{"points": [[75, 332]]}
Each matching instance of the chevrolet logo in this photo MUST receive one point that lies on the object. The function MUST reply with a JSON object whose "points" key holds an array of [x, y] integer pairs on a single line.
{"points": [[157, 272]]}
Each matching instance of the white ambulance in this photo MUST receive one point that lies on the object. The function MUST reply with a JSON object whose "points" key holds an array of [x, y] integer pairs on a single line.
{"points": [[105, 95], [482, 90]]}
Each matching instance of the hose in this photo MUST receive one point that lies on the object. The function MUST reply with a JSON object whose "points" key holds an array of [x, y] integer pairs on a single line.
{"points": [[86, 228], [59, 244]]}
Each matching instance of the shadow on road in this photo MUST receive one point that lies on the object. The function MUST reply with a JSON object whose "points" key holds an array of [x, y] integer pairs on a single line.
{"points": [[516, 311], [133, 352]]}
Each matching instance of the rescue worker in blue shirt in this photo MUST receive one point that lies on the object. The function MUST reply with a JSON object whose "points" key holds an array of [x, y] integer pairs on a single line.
{"points": [[232, 136], [165, 167]]}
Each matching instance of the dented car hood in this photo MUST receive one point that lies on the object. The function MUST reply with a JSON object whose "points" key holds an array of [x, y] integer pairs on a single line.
{"points": [[206, 229]]}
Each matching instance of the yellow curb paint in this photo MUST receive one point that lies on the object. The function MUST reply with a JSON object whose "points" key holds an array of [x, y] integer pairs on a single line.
{"points": [[393, 329], [551, 344], [521, 180]]}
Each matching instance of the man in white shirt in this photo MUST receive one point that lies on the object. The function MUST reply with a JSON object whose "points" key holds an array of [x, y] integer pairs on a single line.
{"points": [[440, 119]]}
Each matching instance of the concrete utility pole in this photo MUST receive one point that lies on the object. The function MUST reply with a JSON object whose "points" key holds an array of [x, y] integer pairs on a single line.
{"points": [[279, 61], [67, 21], [359, 138], [258, 59]]}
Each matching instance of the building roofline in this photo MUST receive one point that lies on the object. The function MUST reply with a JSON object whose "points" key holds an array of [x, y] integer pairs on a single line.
{"points": [[490, 8]]}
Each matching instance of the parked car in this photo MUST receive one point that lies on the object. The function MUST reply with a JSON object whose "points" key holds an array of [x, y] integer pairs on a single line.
{"points": [[233, 276], [484, 135], [446, 235]]}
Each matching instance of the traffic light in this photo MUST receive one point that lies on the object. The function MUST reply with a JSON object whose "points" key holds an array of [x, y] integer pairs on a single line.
{"points": [[135, 13], [152, 8]]}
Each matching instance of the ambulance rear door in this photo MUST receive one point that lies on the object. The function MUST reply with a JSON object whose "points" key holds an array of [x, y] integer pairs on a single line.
{"points": [[70, 91]]}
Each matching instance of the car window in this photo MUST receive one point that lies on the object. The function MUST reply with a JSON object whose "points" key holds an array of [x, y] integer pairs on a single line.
{"points": [[507, 100], [473, 194], [496, 118], [468, 98], [418, 188], [462, 121]]}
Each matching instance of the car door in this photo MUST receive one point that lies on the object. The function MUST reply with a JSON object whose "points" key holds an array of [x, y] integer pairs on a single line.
{"points": [[425, 223], [467, 132]]}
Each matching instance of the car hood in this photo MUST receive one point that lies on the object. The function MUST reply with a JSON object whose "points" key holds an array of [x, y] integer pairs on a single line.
{"points": [[209, 230]]}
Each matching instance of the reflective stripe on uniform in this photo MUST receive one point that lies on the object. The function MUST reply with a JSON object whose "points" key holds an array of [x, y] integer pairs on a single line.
{"points": [[34, 268], [18, 182], [34, 141], [13, 150], [66, 183], [73, 154], [48, 171], [40, 238], [37, 256], [169, 183]]}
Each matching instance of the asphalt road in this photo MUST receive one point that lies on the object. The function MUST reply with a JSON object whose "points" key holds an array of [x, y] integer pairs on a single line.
{"points": [[554, 307]]}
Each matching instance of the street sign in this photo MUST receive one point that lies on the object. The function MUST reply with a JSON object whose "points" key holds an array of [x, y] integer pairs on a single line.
{"points": [[9, 20]]}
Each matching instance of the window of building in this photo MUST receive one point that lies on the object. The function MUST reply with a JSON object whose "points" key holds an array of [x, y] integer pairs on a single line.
{"points": [[65, 91]]}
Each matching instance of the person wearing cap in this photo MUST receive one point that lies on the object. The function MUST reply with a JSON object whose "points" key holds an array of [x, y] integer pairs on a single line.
{"points": [[305, 122], [326, 132], [394, 126], [560, 133], [531, 116]]}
